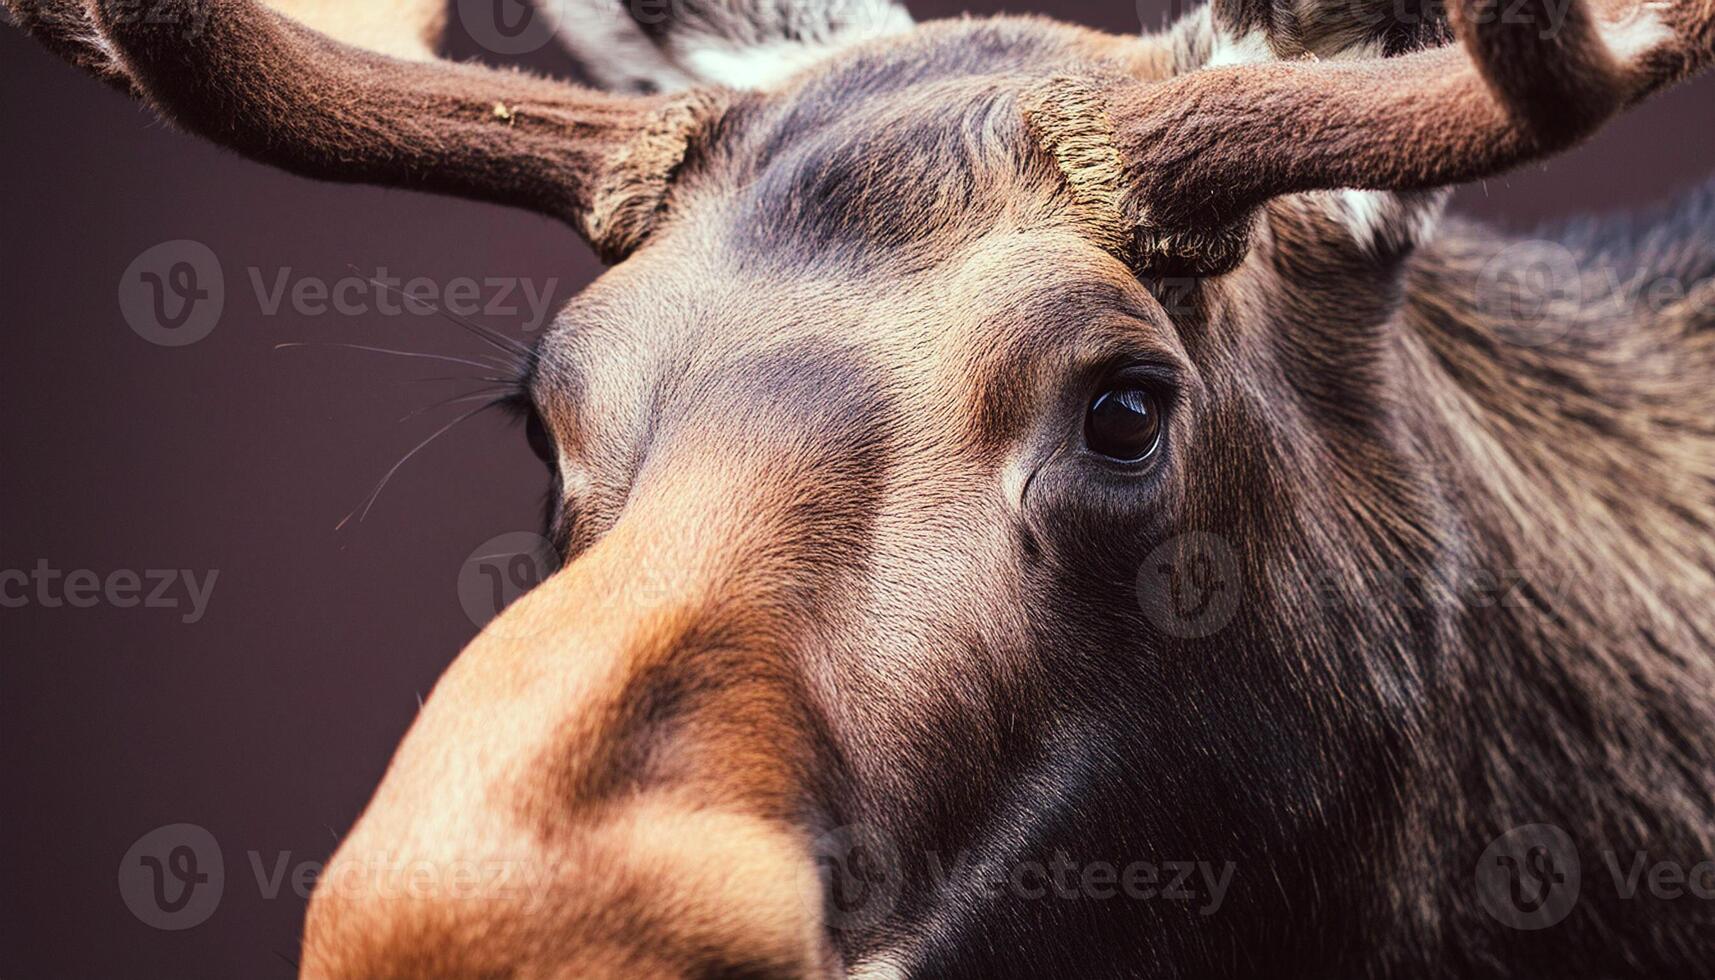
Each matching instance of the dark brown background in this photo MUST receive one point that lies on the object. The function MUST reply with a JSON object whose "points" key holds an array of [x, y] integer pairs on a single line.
{"points": [[270, 721]]}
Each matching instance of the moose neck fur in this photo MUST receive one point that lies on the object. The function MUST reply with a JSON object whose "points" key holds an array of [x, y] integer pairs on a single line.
{"points": [[1529, 602]]}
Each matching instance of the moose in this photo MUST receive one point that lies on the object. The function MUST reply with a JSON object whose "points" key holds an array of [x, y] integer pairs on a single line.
{"points": [[997, 444]]}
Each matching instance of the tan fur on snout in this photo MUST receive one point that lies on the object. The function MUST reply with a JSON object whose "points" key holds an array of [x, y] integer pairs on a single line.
{"points": [[606, 844], [658, 888]]}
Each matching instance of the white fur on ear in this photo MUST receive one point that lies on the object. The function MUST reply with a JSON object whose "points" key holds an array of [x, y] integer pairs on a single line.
{"points": [[665, 45], [761, 65], [1246, 49], [610, 47], [1385, 221], [1634, 34]]}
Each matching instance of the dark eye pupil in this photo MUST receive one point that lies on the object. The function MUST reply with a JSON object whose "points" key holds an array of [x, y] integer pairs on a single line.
{"points": [[1123, 424], [537, 434]]}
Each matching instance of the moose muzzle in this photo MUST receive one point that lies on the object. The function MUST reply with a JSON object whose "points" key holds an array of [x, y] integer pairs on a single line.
{"points": [[610, 781]]}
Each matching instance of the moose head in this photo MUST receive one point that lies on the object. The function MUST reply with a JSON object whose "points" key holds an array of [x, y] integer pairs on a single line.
{"points": [[996, 442]]}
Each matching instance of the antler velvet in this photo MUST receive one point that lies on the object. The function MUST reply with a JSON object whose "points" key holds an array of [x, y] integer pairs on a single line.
{"points": [[1202, 152], [256, 81]]}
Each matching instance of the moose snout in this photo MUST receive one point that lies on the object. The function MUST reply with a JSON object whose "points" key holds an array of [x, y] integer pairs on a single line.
{"points": [[659, 890], [608, 782]]}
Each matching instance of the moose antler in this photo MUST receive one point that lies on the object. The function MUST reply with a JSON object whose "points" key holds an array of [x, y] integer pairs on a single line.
{"points": [[1203, 152], [274, 90]]}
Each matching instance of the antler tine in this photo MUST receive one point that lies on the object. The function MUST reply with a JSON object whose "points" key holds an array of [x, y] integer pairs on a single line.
{"points": [[270, 88], [1204, 151]]}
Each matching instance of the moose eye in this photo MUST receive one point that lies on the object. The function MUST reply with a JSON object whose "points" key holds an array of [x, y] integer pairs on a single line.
{"points": [[1124, 424], [540, 442]]}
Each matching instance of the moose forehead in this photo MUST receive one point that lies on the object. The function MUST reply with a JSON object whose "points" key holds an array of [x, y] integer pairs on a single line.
{"points": [[971, 345], [891, 222], [893, 154]]}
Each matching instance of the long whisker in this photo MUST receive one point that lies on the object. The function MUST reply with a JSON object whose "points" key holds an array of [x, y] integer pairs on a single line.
{"points": [[373, 494], [495, 396], [511, 384], [499, 340], [485, 366]]}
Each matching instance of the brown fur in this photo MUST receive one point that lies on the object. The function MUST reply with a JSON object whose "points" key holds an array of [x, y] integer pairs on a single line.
{"points": [[262, 84], [1207, 149], [842, 574]]}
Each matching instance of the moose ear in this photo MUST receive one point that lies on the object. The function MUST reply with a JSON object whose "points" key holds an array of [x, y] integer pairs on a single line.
{"points": [[1205, 150], [265, 85]]}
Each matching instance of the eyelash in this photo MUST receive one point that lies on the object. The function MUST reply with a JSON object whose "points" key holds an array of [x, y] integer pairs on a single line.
{"points": [[517, 369]]}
